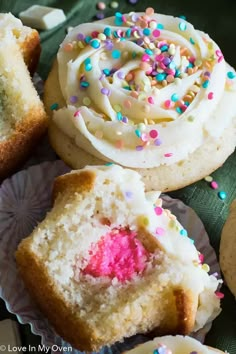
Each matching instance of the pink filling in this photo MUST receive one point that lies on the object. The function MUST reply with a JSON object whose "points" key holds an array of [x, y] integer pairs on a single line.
{"points": [[117, 254]]}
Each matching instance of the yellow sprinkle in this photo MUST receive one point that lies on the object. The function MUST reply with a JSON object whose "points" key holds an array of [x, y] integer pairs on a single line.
{"points": [[208, 179], [102, 36], [172, 223], [86, 101], [141, 127], [117, 107], [206, 267], [80, 44]]}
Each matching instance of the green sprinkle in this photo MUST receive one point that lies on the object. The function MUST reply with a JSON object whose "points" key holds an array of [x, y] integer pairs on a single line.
{"points": [[54, 106]]}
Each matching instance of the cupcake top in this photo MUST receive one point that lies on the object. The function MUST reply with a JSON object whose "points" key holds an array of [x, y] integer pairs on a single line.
{"points": [[139, 86], [173, 345]]}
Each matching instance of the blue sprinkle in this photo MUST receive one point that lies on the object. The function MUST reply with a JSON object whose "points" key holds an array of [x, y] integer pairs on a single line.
{"points": [[128, 32], [115, 34], [107, 31], [174, 97], [119, 116], [179, 110], [138, 133], [191, 240], [106, 72], [88, 67], [95, 43], [231, 75], [54, 106], [84, 84], [183, 17], [87, 39], [191, 41], [177, 73], [161, 76], [146, 31], [182, 26], [134, 54], [116, 54], [109, 163], [222, 195], [149, 51], [87, 61], [160, 26], [164, 48], [206, 84], [183, 232]]}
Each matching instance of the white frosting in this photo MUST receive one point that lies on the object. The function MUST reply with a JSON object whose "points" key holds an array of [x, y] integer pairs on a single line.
{"points": [[97, 128], [172, 345]]}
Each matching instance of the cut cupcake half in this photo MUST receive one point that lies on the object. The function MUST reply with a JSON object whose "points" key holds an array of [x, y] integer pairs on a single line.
{"points": [[110, 262]]}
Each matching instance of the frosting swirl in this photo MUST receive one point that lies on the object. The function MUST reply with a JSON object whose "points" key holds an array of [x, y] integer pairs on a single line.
{"points": [[143, 89]]}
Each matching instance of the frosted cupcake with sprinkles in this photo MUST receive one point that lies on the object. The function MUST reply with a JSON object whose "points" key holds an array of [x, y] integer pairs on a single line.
{"points": [[145, 91]]}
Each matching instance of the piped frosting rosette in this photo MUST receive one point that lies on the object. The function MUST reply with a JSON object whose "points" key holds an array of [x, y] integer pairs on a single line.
{"points": [[143, 89]]}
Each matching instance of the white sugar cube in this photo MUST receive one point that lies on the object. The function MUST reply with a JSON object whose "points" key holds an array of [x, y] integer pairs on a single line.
{"points": [[42, 17]]}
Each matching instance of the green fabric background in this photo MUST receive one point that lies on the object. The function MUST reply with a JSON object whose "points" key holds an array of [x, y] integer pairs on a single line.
{"points": [[216, 18]]}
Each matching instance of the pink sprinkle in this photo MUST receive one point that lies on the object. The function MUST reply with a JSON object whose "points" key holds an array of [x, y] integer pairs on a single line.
{"points": [[77, 113], [167, 103], [145, 57], [201, 258], [119, 33], [153, 133], [168, 154], [210, 96], [219, 295], [144, 137], [158, 210], [160, 231], [214, 185], [156, 33], [159, 57], [183, 107], [150, 100], [162, 66]]}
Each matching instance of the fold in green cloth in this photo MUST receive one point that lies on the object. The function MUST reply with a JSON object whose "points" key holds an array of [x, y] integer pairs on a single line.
{"points": [[216, 18]]}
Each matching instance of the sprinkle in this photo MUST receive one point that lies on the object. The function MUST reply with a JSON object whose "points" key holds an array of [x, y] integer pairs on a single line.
{"points": [[149, 11], [214, 185], [174, 97], [84, 84], [129, 194], [105, 91], [101, 5], [109, 163], [106, 72], [210, 96], [168, 154], [119, 116], [117, 107], [183, 232], [86, 101], [116, 54], [99, 16], [73, 99], [120, 75], [139, 148], [160, 76], [160, 26], [160, 231], [157, 142], [206, 84], [119, 144], [88, 67], [206, 267], [138, 133], [95, 43], [222, 195], [54, 106], [158, 210], [151, 100], [114, 4], [153, 133], [167, 103], [231, 75], [107, 31], [190, 118], [127, 104], [77, 113], [182, 26], [208, 179], [219, 295], [68, 47], [102, 36]]}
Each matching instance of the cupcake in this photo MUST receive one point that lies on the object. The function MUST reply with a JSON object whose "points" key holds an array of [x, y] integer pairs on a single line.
{"points": [[145, 91], [109, 262], [173, 345]]}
